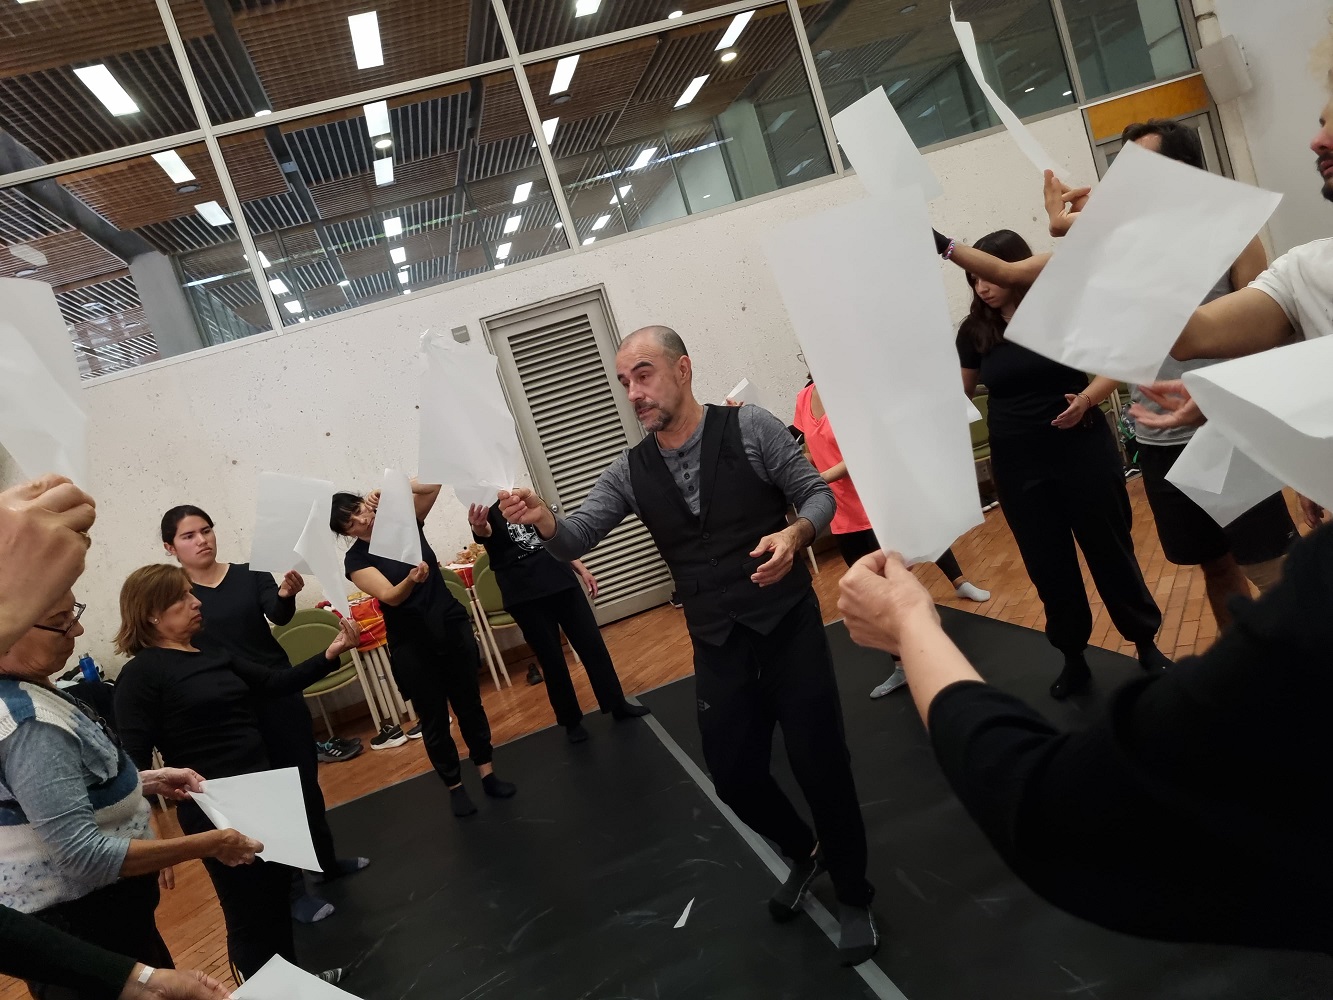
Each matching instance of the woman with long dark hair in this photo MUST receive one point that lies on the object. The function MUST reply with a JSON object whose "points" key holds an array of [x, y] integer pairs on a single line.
{"points": [[1058, 476]]}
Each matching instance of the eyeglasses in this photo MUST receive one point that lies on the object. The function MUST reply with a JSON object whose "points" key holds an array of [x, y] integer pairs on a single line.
{"points": [[79, 609]]}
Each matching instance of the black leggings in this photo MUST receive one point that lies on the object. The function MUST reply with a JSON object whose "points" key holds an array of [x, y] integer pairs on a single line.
{"points": [[856, 544], [540, 621]]}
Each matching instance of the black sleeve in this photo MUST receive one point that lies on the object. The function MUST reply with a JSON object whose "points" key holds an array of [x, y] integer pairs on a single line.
{"points": [[137, 712], [270, 683], [357, 557], [498, 524], [30, 949], [278, 610], [968, 355]]}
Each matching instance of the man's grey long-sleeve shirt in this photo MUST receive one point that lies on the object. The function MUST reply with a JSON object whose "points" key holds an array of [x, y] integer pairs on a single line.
{"points": [[773, 454]]}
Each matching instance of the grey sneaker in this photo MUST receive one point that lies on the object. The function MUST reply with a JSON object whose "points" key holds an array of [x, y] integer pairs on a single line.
{"points": [[860, 937], [896, 680], [332, 976], [786, 902]]}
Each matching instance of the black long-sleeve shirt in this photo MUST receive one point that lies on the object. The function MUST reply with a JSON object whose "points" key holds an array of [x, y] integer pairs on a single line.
{"points": [[234, 616], [33, 950], [1199, 807], [198, 708]]}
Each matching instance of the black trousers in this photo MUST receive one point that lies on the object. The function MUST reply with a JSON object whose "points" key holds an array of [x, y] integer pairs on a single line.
{"points": [[254, 900], [1063, 487], [855, 545], [747, 685], [540, 621], [117, 917], [437, 670], [289, 737]]}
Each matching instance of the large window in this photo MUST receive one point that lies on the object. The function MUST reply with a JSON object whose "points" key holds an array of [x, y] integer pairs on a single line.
{"points": [[1125, 43]]}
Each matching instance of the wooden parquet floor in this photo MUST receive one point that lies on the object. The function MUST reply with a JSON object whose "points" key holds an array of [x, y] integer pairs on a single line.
{"points": [[652, 649]]}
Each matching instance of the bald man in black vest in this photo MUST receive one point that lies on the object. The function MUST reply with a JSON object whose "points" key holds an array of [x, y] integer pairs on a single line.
{"points": [[713, 485]]}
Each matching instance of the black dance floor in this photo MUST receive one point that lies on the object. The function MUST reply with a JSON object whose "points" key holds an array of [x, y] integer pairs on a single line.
{"points": [[572, 889]]}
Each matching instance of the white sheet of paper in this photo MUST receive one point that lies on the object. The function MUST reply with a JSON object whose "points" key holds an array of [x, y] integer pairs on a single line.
{"points": [[1221, 479], [395, 534], [1150, 244], [468, 439], [973, 414], [1022, 135], [865, 293], [880, 148], [1277, 408], [317, 549], [268, 806], [43, 422], [280, 980], [737, 395], [684, 916], [282, 508]]}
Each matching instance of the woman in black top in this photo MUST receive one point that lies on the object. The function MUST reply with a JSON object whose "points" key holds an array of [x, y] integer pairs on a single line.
{"points": [[1058, 476], [197, 708], [237, 605], [1196, 807], [435, 655], [543, 596]]}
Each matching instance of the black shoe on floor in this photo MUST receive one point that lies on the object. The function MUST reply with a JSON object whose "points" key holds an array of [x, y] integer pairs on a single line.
{"points": [[860, 936], [675, 600], [390, 735], [576, 733], [627, 711], [415, 732], [349, 742], [333, 976], [534, 676], [785, 904], [461, 802], [1152, 659], [496, 788], [1075, 677], [334, 752]]}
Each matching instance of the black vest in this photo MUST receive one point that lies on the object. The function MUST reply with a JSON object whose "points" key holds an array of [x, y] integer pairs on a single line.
{"points": [[709, 554]]}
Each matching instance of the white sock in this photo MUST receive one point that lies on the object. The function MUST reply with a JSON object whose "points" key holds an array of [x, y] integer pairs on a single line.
{"points": [[972, 593]]}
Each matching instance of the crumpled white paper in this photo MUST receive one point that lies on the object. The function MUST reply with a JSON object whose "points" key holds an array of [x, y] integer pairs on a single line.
{"points": [[395, 535], [265, 805], [282, 507]]}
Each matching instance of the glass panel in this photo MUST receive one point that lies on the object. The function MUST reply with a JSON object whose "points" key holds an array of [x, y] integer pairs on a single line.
{"points": [[253, 56], [666, 126], [542, 24], [910, 50], [1121, 44], [384, 200], [105, 65], [142, 255]]}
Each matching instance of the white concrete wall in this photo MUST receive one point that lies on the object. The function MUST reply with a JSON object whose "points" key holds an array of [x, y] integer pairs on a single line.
{"points": [[336, 399]]}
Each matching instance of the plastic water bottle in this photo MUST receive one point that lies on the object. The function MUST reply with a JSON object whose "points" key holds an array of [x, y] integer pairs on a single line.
{"points": [[89, 669]]}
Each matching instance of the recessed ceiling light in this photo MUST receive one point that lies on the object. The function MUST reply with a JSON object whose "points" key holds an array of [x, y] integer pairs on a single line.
{"points": [[548, 129], [277, 286], [512, 223], [398, 255], [644, 158], [590, 239], [734, 30], [502, 251], [393, 226], [675, 14], [292, 306], [601, 222], [692, 91], [384, 171], [404, 277], [521, 192], [263, 111], [344, 283], [1029, 90], [559, 225], [99, 80], [25, 272], [366, 39], [729, 55], [384, 143], [213, 214], [377, 118], [582, 8], [564, 74], [1067, 93], [170, 161], [189, 188], [908, 9]]}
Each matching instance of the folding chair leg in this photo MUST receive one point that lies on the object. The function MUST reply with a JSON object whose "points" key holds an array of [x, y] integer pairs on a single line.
{"points": [[814, 563], [324, 712], [480, 626]]}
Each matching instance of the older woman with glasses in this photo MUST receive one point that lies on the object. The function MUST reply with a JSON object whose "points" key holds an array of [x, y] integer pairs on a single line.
{"points": [[76, 844]]}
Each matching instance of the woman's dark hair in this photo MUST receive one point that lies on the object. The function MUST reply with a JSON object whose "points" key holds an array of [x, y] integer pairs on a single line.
{"points": [[984, 325], [344, 508], [1179, 142], [172, 519]]}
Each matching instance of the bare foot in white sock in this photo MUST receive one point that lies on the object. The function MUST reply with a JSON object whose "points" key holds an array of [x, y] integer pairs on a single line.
{"points": [[970, 592]]}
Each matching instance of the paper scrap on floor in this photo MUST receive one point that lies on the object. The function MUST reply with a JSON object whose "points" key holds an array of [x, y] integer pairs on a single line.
{"points": [[395, 535], [1153, 240], [319, 553], [468, 438], [878, 145], [1277, 408], [1220, 478], [865, 293], [43, 421], [280, 980], [265, 805], [282, 507], [684, 916]]}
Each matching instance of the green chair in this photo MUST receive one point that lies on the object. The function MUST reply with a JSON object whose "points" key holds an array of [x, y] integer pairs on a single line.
{"points": [[304, 639], [483, 562], [484, 640], [451, 577], [981, 439], [307, 616]]}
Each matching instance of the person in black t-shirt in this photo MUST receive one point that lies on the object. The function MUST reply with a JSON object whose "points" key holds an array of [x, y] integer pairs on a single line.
{"points": [[543, 596], [1059, 478], [435, 655]]}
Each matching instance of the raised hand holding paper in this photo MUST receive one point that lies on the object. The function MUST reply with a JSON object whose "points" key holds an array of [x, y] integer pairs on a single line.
{"points": [[280, 980], [395, 534], [1221, 479], [317, 550], [468, 440], [281, 510], [267, 806], [884, 155], [1152, 241]]}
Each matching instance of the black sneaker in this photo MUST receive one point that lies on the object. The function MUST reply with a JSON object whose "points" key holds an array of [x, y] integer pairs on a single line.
{"points": [[534, 675], [675, 600], [390, 735], [415, 732], [336, 752], [332, 976], [859, 939], [786, 902], [349, 742]]}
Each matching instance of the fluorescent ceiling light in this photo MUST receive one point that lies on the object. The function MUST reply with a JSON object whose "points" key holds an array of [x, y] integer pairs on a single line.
{"points": [[377, 118], [366, 39], [344, 283], [407, 291], [734, 30], [1029, 90], [292, 306], [263, 261], [548, 129], [384, 171], [928, 112], [499, 265], [590, 239], [213, 214], [799, 167], [393, 226], [521, 192], [899, 85], [564, 73], [601, 222], [99, 80], [779, 121], [171, 162], [644, 158], [1067, 93], [277, 286], [512, 223], [692, 91], [624, 190], [384, 143], [398, 255], [404, 277], [582, 8], [502, 251]]}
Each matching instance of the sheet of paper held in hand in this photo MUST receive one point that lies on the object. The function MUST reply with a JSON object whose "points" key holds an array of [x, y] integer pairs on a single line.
{"points": [[864, 290], [1220, 478], [265, 805], [282, 507], [1277, 408], [280, 980], [319, 554], [43, 423], [468, 439], [1152, 242], [395, 534], [884, 155]]}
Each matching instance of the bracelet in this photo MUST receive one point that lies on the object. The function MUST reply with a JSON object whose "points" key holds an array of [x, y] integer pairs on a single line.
{"points": [[146, 975], [1086, 399], [948, 254]]}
